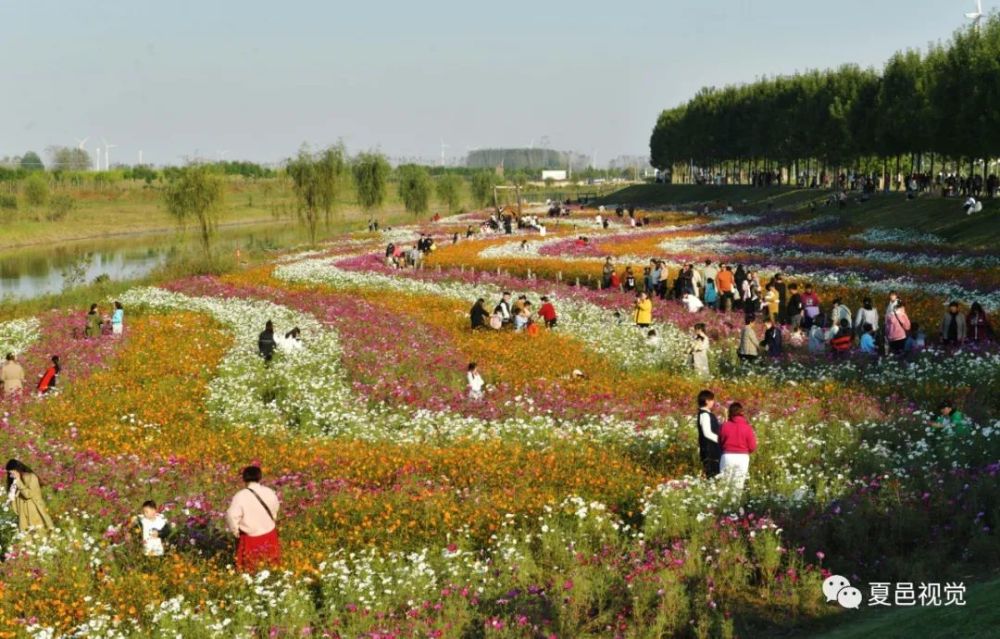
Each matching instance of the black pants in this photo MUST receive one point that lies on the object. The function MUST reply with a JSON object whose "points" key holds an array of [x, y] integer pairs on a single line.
{"points": [[897, 346], [710, 466]]}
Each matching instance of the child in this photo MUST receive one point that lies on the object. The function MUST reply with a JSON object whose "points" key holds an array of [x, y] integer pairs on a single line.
{"points": [[475, 382], [155, 529]]}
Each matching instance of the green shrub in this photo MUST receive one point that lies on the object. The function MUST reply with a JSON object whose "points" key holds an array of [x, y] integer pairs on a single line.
{"points": [[36, 189], [8, 202], [60, 207]]}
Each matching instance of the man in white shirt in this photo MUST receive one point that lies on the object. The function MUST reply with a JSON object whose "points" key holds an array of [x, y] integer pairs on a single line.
{"points": [[251, 518]]}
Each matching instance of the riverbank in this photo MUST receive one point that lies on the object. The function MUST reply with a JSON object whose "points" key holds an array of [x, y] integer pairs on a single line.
{"points": [[138, 211], [930, 214]]}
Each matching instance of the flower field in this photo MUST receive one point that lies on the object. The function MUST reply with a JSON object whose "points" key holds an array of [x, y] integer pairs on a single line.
{"points": [[566, 502]]}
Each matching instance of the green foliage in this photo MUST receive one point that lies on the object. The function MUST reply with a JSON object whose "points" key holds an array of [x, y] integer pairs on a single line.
{"points": [[517, 159], [196, 193], [60, 207], [941, 102], [482, 187], [8, 202], [371, 174], [317, 181], [64, 158], [449, 190], [415, 188], [36, 189], [142, 172], [31, 162], [245, 169]]}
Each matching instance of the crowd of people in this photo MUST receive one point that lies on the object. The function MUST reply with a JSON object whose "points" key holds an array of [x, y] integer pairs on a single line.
{"points": [[398, 257], [514, 314], [793, 314]]}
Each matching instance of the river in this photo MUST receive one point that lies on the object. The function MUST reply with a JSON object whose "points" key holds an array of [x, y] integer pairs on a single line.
{"points": [[41, 270]]}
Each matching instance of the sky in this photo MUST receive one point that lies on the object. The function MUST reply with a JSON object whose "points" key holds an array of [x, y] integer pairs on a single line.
{"points": [[255, 80]]}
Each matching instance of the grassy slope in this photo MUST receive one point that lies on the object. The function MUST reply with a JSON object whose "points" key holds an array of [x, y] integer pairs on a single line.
{"points": [[943, 217], [133, 209], [978, 619]]}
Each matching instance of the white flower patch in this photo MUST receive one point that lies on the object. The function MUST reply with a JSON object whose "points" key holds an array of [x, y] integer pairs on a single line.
{"points": [[897, 236], [17, 335], [306, 388], [596, 327]]}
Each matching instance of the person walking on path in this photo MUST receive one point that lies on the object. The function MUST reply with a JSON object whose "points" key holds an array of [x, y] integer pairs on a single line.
{"points": [[252, 519], [737, 441], [11, 376], [708, 434], [24, 494]]}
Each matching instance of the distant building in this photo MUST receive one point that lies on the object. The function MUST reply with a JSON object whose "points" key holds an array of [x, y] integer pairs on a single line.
{"points": [[559, 175]]}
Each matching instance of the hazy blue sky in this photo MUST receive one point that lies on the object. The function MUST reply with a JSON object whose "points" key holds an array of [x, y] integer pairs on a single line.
{"points": [[259, 78]]}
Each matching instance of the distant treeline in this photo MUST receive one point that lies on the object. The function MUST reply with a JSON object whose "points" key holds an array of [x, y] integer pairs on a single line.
{"points": [[523, 159], [940, 106]]}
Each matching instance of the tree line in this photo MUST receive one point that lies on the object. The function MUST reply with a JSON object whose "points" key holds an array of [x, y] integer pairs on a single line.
{"points": [[922, 112]]}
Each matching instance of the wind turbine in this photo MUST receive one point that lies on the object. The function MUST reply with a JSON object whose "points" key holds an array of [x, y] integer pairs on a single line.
{"points": [[976, 16], [107, 153], [97, 152], [222, 155], [80, 143]]}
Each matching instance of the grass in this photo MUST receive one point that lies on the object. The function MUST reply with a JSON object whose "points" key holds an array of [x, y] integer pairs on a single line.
{"points": [[979, 618], [131, 208], [929, 214]]}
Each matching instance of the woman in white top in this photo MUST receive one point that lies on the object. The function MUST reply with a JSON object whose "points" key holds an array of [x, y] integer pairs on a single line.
{"points": [[699, 351], [475, 381], [866, 315]]}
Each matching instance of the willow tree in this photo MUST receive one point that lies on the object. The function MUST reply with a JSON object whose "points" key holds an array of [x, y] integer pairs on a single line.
{"points": [[371, 175], [196, 194], [449, 190], [316, 180], [415, 188], [483, 183]]}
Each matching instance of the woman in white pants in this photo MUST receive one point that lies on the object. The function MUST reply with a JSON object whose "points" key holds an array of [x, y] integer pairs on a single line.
{"points": [[738, 442]]}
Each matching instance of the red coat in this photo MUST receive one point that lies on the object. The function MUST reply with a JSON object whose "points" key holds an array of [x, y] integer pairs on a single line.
{"points": [[737, 436], [547, 311]]}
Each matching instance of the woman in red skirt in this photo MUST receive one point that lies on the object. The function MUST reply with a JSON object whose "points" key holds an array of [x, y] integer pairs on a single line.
{"points": [[251, 517]]}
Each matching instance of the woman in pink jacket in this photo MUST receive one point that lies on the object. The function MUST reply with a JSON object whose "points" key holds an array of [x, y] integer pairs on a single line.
{"points": [[896, 326], [738, 441]]}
